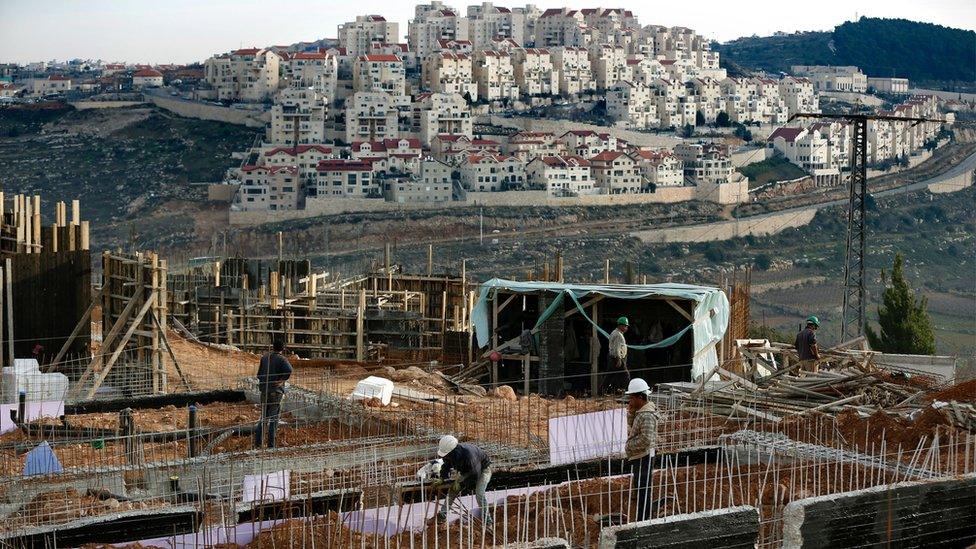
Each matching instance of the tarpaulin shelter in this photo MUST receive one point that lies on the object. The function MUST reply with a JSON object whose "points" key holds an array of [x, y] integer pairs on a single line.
{"points": [[540, 324]]}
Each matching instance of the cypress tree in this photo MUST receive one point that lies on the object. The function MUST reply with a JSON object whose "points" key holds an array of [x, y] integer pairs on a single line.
{"points": [[905, 325]]}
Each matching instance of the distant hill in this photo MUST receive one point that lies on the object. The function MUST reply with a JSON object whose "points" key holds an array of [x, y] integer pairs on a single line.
{"points": [[880, 47]]}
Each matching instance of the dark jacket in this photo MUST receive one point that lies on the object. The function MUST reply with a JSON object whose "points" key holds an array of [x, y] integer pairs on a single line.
{"points": [[468, 459], [805, 340], [274, 369]]}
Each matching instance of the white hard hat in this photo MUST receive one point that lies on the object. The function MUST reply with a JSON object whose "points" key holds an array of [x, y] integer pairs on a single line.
{"points": [[637, 385], [447, 443]]}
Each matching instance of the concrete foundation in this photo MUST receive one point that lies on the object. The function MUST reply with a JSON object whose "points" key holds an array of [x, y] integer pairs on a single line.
{"points": [[907, 514], [731, 527]]}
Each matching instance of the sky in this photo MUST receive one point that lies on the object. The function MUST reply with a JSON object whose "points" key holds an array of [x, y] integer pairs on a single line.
{"points": [[183, 31]]}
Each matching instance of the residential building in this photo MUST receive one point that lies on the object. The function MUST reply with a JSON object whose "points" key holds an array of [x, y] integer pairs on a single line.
{"points": [[357, 36], [8, 90], [248, 75], [371, 116], [379, 74], [298, 117], [588, 143], [305, 157], [660, 168], [573, 66], [631, 105], [527, 145], [811, 149], [560, 27], [437, 114], [433, 184], [616, 173], [396, 155], [274, 188], [492, 172], [897, 86], [798, 95], [495, 75], [566, 175], [488, 22], [432, 24], [828, 78], [147, 78], [449, 72], [609, 65], [345, 178], [455, 46], [316, 70], [704, 162], [54, 83], [534, 72]]}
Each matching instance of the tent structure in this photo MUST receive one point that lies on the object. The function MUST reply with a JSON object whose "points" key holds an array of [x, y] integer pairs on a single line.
{"points": [[701, 310]]}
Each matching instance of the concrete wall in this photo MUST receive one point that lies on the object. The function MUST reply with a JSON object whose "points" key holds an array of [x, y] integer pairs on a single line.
{"points": [[561, 126], [221, 192], [721, 528], [952, 184], [315, 207], [86, 105], [908, 514], [203, 111], [749, 156], [723, 230]]}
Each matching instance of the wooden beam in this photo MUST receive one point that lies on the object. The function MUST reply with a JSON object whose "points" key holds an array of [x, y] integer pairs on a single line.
{"points": [[121, 345], [8, 288], [595, 352], [169, 349], [683, 312], [574, 310], [85, 318]]}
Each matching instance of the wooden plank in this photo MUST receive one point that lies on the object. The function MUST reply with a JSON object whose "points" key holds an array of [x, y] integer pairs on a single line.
{"points": [[8, 288], [595, 350], [683, 312], [121, 345], [53, 366]]}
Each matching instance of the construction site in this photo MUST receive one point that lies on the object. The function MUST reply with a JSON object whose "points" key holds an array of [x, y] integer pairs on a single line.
{"points": [[130, 403]]}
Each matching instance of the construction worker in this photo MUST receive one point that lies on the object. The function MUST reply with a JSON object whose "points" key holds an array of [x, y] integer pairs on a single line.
{"points": [[641, 443], [273, 372], [806, 342], [474, 468], [619, 375]]}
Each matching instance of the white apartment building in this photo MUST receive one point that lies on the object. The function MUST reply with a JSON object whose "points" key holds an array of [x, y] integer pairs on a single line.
{"points": [[610, 22], [441, 114], [345, 178], [660, 168], [707, 95], [274, 188], [631, 104], [357, 36], [827, 78], [798, 95], [316, 70], [534, 72], [528, 145], [147, 78], [433, 23], [397, 155], [616, 173], [560, 27], [492, 172], [408, 190], [371, 116], [889, 85], [674, 109], [488, 22], [705, 162], [248, 75], [573, 66], [495, 75], [811, 149], [566, 175], [645, 70], [609, 65], [449, 72], [298, 117], [305, 157], [588, 143], [379, 74], [8, 90]]}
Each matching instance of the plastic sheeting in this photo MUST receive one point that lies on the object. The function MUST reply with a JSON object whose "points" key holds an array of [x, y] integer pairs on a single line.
{"points": [[711, 311]]}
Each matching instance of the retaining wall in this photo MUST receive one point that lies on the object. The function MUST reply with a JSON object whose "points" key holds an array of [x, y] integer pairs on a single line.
{"points": [[559, 127], [724, 230], [907, 514], [203, 111], [718, 529], [86, 105]]}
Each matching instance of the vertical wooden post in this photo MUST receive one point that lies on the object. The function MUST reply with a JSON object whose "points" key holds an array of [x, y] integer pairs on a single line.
{"points": [[430, 260], [83, 239], [443, 320], [595, 353], [75, 212], [161, 314], [3, 278], [360, 325], [468, 326], [526, 371], [36, 224], [154, 360], [559, 267], [606, 272], [8, 288]]}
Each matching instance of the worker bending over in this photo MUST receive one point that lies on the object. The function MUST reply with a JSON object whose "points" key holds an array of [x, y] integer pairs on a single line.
{"points": [[473, 467], [641, 444], [806, 343], [619, 375]]}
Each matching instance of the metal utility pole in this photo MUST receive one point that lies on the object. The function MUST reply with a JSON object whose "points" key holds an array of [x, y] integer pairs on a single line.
{"points": [[855, 301]]}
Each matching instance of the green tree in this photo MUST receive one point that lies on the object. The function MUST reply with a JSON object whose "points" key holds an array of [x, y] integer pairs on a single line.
{"points": [[687, 131], [699, 118], [763, 262], [722, 120], [905, 325]]}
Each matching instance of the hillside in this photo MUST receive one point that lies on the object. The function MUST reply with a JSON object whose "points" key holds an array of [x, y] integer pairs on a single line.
{"points": [[880, 47]]}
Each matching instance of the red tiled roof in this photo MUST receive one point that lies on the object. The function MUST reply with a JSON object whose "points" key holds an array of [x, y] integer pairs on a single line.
{"points": [[290, 151], [310, 55], [148, 73], [552, 12], [246, 51], [58, 77], [380, 58], [376, 18], [607, 156], [788, 134], [343, 165], [569, 160], [413, 143]]}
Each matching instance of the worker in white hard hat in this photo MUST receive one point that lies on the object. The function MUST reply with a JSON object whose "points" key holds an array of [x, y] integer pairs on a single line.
{"points": [[473, 467], [643, 419]]}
